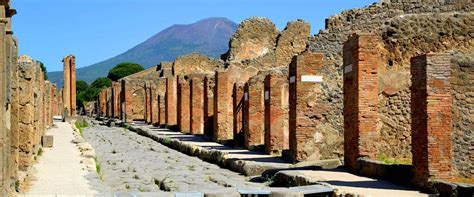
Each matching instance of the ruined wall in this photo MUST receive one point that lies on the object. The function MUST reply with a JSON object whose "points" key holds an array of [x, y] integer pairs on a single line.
{"points": [[195, 63], [258, 43], [463, 120], [407, 28]]}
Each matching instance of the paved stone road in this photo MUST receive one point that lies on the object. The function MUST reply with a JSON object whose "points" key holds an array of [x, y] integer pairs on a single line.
{"points": [[130, 162], [59, 169]]}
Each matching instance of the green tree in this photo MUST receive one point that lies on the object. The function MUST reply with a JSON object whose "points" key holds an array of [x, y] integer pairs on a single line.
{"points": [[124, 69], [43, 68], [81, 86], [101, 82], [92, 91]]}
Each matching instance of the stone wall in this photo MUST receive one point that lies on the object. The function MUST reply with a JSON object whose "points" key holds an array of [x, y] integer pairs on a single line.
{"points": [[406, 28], [463, 110]]}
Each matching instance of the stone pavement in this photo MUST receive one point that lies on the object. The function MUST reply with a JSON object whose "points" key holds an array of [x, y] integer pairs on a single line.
{"points": [[59, 171], [255, 163]]}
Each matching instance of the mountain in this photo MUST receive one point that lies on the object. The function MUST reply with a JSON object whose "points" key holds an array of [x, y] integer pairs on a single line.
{"points": [[208, 36]]}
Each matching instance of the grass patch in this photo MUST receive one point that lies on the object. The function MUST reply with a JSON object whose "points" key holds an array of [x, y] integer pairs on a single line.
{"points": [[389, 160], [81, 124], [167, 141], [190, 167], [40, 151]]}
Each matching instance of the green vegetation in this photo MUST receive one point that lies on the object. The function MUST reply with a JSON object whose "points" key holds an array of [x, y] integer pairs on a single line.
{"points": [[40, 151], [81, 86], [91, 92], [388, 160], [81, 124], [43, 68], [124, 69]]}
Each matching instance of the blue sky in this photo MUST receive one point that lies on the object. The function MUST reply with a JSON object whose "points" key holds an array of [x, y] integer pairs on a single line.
{"points": [[95, 30]]}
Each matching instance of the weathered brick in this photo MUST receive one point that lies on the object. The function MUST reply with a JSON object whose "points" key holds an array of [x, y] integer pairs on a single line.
{"points": [[171, 101], [431, 107], [197, 97], [184, 106], [254, 114], [276, 114], [209, 85], [223, 107], [361, 61], [237, 108]]}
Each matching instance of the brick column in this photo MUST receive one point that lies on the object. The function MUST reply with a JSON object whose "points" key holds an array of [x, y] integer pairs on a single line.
{"points": [[66, 86], [431, 107], [161, 92], [223, 107], [148, 103], [197, 103], [154, 105], [305, 109], [276, 114], [254, 114], [184, 106], [72, 65], [171, 101], [209, 106], [126, 102], [109, 101], [237, 106], [116, 99], [361, 60]]}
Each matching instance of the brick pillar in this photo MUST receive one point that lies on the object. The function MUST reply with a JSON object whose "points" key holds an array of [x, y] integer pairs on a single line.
{"points": [[161, 101], [171, 101], [184, 120], [431, 107], [66, 87], [209, 106], [223, 129], [148, 103], [197, 103], [102, 104], [304, 107], [109, 101], [361, 60], [276, 118], [126, 102], [115, 99], [237, 107], [4, 130], [254, 114], [73, 85], [69, 89], [154, 105]]}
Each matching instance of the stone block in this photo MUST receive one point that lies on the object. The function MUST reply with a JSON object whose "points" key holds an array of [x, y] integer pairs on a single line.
{"points": [[47, 141]]}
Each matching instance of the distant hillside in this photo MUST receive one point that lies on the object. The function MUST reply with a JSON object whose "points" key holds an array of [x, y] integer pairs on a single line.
{"points": [[208, 36]]}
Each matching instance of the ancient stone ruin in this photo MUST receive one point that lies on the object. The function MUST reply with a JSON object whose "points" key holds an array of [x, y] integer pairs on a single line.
{"points": [[343, 93], [391, 80]]}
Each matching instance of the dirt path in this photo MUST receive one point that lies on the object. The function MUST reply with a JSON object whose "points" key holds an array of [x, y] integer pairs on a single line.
{"points": [[59, 170], [130, 162]]}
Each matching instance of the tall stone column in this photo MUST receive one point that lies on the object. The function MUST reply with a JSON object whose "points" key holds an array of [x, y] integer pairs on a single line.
{"points": [[148, 103], [361, 61], [115, 99], [431, 107], [69, 89], [4, 117], [161, 92]]}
